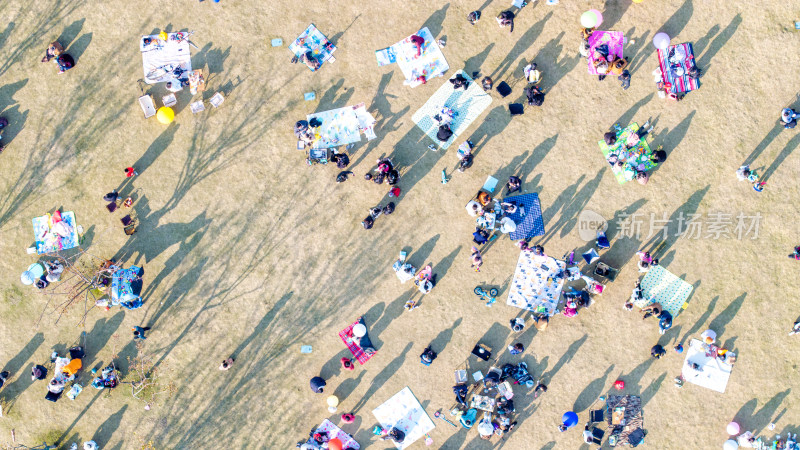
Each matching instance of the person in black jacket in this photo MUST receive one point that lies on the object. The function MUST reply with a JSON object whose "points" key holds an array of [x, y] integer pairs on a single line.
{"points": [[317, 384], [505, 19]]}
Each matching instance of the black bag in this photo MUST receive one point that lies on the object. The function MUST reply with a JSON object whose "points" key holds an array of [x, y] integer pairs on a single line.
{"points": [[516, 109], [503, 89]]}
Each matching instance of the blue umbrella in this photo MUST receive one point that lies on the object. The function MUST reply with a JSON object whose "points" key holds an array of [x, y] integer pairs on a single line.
{"points": [[569, 419]]}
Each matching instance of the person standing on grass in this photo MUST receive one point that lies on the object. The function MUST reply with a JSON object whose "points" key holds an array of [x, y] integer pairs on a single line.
{"points": [[506, 19], [477, 259], [516, 349], [138, 332], [226, 364], [130, 171], [795, 329]]}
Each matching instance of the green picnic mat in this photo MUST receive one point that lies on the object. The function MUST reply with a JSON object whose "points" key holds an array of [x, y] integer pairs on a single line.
{"points": [[668, 289], [636, 158]]}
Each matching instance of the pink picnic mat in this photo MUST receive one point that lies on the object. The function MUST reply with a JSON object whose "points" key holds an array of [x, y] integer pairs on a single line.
{"points": [[352, 343], [614, 41]]}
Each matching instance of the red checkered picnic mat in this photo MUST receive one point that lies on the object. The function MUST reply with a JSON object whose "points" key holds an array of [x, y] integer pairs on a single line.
{"points": [[352, 345], [678, 84]]}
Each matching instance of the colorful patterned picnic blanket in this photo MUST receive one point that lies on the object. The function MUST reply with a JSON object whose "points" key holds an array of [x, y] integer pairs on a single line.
{"points": [[312, 39], [678, 57], [634, 159], [335, 432], [631, 406], [537, 285], [404, 412], [668, 289], [341, 126], [63, 237], [122, 288], [354, 344], [614, 40], [467, 105], [528, 216], [430, 63]]}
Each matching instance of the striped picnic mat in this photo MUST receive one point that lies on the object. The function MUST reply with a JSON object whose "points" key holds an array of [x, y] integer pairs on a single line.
{"points": [[352, 342], [683, 83]]}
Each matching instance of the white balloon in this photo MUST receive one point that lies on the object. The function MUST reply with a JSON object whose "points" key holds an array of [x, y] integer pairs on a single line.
{"points": [[359, 330], [730, 444], [733, 428], [661, 40]]}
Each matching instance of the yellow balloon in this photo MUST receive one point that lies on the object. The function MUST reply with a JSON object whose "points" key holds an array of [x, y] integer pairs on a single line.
{"points": [[637, 1], [165, 115], [333, 401], [162, 35]]}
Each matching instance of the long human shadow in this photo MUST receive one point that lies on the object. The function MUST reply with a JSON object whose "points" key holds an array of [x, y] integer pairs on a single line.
{"points": [[553, 68], [622, 250], [522, 45], [570, 203], [524, 164], [435, 21], [495, 122], [153, 152], [14, 366], [719, 323], [77, 48], [346, 387], [613, 11], [707, 54], [334, 97], [565, 358], [677, 22], [441, 268], [634, 377], [414, 160], [650, 391], [753, 420], [632, 50], [382, 377], [590, 393], [770, 136], [441, 340], [698, 324], [107, 429], [671, 139], [628, 115], [387, 120], [16, 122], [474, 63], [101, 332], [790, 147], [659, 245]]}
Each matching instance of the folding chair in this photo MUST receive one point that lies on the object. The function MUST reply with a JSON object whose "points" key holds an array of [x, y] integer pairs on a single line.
{"points": [[199, 106], [597, 436], [216, 100], [169, 100], [148, 106], [597, 416]]}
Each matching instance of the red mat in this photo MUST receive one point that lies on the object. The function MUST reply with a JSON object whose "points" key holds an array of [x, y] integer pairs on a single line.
{"points": [[352, 343]]}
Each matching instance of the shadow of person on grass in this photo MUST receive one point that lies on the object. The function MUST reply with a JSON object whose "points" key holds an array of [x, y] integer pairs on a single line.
{"points": [[704, 54], [591, 392], [435, 21], [522, 45], [381, 378], [719, 323], [107, 429], [753, 420], [565, 358]]}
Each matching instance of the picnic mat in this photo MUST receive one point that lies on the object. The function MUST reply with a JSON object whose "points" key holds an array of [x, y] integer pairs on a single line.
{"points": [[636, 158], [341, 126], [468, 105], [160, 53], [335, 432], [632, 416], [712, 374], [312, 39], [614, 40], [354, 344], [681, 55], [668, 289], [123, 286], [528, 216], [536, 286], [404, 412], [47, 240], [430, 63]]}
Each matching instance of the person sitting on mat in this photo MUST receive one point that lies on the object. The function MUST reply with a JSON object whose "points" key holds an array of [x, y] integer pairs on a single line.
{"points": [[417, 42], [65, 62], [653, 309], [310, 61], [396, 435], [506, 19], [459, 82], [487, 84], [618, 65]]}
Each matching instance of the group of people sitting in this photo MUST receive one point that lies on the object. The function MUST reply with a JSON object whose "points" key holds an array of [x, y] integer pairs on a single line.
{"points": [[617, 159], [604, 63], [55, 52], [376, 212]]}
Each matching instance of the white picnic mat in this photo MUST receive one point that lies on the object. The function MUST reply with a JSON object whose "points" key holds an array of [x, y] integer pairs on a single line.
{"points": [[536, 286], [468, 105], [712, 374], [342, 126], [668, 289], [336, 432], [404, 412], [160, 53]]}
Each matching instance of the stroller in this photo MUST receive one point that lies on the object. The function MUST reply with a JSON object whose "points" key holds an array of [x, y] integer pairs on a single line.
{"points": [[318, 156], [519, 373]]}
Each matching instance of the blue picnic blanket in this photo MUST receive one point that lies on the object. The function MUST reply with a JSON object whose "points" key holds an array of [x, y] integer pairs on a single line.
{"points": [[125, 285], [528, 216]]}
